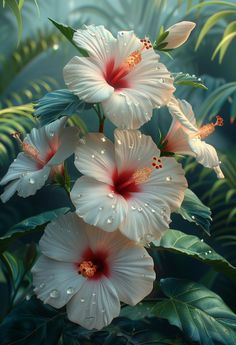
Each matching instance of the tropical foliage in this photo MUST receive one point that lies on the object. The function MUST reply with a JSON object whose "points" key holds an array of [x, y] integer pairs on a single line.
{"points": [[194, 299]]}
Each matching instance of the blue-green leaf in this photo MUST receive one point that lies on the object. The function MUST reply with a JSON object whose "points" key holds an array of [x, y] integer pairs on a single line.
{"points": [[29, 225], [186, 79], [16, 8], [193, 210], [200, 313], [59, 103], [177, 242]]}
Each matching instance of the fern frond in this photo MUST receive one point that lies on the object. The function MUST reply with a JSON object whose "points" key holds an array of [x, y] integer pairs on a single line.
{"points": [[24, 54], [12, 119]]}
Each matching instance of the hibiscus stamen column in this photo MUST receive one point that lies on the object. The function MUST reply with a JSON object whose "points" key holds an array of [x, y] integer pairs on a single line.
{"points": [[208, 129]]}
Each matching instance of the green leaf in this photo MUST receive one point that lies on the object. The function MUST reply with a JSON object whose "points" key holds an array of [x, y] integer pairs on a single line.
{"points": [[229, 29], [211, 22], [175, 241], [226, 40], [59, 103], [68, 32], [32, 323], [13, 5], [193, 210], [200, 313], [29, 225], [188, 80]]}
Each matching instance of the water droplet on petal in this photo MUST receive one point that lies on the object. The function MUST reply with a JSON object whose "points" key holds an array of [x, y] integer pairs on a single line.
{"points": [[93, 294], [82, 300], [100, 208], [153, 211], [51, 134], [118, 142], [109, 220], [103, 139], [93, 302], [70, 291], [31, 180], [54, 293], [103, 310], [140, 209], [93, 156], [113, 206], [168, 178], [133, 208], [102, 152], [110, 195]]}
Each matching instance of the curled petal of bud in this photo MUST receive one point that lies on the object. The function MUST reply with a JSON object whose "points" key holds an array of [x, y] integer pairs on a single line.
{"points": [[178, 34]]}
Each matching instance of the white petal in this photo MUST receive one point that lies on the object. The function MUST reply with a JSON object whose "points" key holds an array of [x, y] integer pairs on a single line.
{"points": [[178, 139], [133, 274], [205, 153], [85, 79], [30, 178], [65, 238], [219, 172], [149, 211], [21, 165], [152, 79], [97, 41], [55, 282], [146, 218], [128, 109], [32, 181], [94, 305], [97, 205], [45, 138], [178, 34], [95, 158], [133, 149], [9, 190], [67, 143], [183, 112]]}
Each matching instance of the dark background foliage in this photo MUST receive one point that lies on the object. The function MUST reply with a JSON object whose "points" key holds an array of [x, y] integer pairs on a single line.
{"points": [[32, 68]]}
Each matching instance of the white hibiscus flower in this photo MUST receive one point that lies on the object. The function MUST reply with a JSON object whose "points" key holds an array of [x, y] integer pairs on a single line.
{"points": [[44, 149], [127, 185], [90, 271], [184, 137], [123, 74]]}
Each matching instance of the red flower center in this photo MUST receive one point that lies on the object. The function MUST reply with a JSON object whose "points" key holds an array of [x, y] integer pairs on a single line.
{"points": [[116, 76], [93, 264], [124, 184]]}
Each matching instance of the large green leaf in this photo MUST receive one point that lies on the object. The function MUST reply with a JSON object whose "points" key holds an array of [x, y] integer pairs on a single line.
{"points": [[68, 32], [180, 243], [58, 103], [32, 323], [29, 225], [200, 313], [193, 210], [230, 29]]}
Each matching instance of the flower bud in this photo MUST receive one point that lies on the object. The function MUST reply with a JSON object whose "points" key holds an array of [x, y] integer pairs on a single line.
{"points": [[178, 34]]}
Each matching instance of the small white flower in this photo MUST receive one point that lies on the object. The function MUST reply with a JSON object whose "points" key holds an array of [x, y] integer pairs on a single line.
{"points": [[123, 74], [90, 271], [184, 137], [128, 186], [44, 149], [178, 34]]}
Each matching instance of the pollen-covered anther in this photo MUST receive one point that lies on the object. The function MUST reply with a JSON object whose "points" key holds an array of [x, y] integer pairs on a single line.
{"points": [[208, 129], [142, 175], [134, 59], [87, 269]]}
